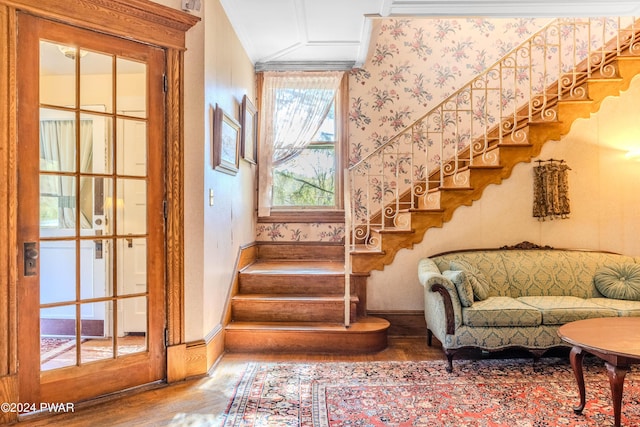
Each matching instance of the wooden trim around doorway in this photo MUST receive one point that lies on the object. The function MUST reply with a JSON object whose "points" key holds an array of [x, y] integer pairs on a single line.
{"points": [[140, 20]]}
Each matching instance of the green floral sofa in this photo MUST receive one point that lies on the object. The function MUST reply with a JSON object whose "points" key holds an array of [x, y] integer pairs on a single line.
{"points": [[519, 296]]}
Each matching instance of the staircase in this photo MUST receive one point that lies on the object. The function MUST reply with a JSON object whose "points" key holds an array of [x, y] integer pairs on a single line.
{"points": [[291, 299], [419, 194]]}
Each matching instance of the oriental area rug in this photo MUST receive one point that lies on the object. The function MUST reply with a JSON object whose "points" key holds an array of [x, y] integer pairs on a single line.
{"points": [[483, 393]]}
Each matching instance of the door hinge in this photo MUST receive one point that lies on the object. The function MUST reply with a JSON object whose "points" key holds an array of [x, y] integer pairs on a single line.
{"points": [[165, 83], [165, 209], [166, 337]]}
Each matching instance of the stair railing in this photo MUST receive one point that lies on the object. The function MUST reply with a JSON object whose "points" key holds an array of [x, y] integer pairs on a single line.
{"points": [[347, 255], [494, 109]]}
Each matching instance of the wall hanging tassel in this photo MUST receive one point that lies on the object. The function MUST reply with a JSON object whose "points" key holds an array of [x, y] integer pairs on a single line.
{"points": [[551, 190]]}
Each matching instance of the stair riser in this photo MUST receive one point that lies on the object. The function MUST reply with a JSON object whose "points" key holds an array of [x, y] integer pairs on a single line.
{"points": [[278, 311], [251, 341], [299, 251], [290, 284]]}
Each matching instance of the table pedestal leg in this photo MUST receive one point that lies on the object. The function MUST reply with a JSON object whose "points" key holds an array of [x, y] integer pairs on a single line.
{"points": [[576, 357], [616, 381]]}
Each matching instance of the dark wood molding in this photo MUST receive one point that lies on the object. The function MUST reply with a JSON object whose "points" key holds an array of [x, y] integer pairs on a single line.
{"points": [[175, 199], [403, 323], [522, 246], [8, 211], [526, 245], [140, 20]]}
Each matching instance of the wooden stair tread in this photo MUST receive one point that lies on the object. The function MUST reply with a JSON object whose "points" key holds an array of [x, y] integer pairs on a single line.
{"points": [[491, 167], [466, 188], [363, 249], [291, 297], [303, 267], [388, 230], [427, 210], [367, 335], [365, 324]]}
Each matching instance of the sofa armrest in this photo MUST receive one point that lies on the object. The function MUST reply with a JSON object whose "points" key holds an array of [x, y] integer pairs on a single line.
{"points": [[434, 281], [448, 306]]}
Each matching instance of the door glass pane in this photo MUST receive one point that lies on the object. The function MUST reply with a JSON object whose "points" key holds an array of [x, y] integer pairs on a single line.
{"points": [[96, 269], [96, 144], [132, 147], [57, 140], [96, 206], [131, 211], [133, 266], [57, 74], [57, 271], [58, 337], [57, 205], [96, 331], [131, 88], [96, 82], [133, 328]]}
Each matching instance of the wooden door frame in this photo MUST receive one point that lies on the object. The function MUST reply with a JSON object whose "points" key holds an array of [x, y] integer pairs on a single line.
{"points": [[140, 20]]}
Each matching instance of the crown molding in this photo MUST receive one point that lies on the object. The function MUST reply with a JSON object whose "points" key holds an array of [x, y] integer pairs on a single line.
{"points": [[509, 8]]}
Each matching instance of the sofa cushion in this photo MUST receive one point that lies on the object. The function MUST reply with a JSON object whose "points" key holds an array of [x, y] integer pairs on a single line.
{"points": [[585, 264], [541, 272], [558, 310], [500, 311], [479, 282], [463, 286], [623, 307], [619, 281], [489, 262]]}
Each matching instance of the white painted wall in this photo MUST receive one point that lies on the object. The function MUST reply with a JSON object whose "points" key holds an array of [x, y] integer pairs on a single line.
{"points": [[217, 71], [603, 189]]}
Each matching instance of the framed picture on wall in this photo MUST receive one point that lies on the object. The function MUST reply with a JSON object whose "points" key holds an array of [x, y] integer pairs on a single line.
{"points": [[226, 142], [249, 121]]}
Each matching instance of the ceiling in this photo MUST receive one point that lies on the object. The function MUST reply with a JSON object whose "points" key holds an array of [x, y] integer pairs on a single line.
{"points": [[291, 33]]}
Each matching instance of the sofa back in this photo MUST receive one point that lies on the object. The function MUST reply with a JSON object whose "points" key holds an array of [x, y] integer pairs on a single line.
{"points": [[537, 272]]}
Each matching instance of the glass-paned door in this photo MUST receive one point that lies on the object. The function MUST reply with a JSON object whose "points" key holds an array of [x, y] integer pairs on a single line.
{"points": [[91, 144]]}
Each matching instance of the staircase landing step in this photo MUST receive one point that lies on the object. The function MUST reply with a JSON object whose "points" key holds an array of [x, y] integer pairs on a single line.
{"points": [[367, 335]]}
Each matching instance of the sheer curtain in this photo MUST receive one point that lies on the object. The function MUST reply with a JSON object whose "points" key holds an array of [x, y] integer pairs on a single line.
{"points": [[294, 105], [58, 154]]}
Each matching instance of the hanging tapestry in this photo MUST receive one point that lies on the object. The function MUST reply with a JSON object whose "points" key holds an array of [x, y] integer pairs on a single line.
{"points": [[551, 190]]}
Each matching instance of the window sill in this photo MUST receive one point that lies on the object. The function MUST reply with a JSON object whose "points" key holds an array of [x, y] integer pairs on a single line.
{"points": [[303, 216]]}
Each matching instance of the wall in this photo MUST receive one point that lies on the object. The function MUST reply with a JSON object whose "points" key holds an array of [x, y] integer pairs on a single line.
{"points": [[605, 204], [230, 222], [217, 71], [414, 63]]}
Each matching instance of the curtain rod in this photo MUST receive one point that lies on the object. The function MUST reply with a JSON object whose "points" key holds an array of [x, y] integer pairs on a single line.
{"points": [[549, 160]]}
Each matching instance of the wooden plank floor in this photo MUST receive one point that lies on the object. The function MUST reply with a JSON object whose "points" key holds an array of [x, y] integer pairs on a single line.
{"points": [[202, 401]]}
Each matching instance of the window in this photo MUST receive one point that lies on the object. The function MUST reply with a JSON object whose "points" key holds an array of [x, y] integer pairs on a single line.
{"points": [[300, 143], [308, 179]]}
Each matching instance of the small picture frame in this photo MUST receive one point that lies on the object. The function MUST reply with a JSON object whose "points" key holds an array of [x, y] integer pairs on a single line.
{"points": [[249, 115], [226, 142]]}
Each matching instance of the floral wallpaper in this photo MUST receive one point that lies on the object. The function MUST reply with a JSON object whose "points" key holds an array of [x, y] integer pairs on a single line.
{"points": [[300, 232], [415, 64]]}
